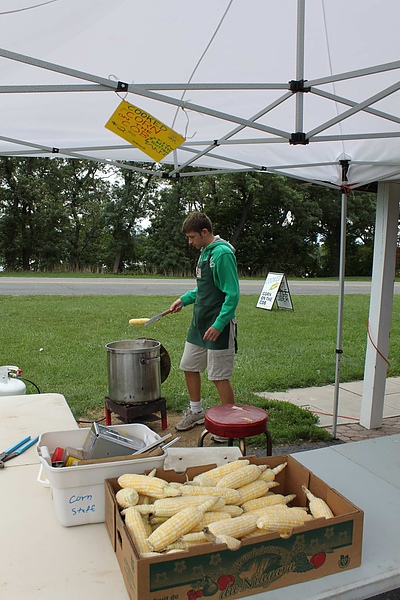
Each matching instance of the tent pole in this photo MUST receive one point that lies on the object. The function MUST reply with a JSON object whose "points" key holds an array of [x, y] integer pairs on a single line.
{"points": [[339, 350], [300, 63]]}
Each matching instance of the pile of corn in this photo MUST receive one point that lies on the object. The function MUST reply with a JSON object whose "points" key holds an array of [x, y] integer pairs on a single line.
{"points": [[223, 505]]}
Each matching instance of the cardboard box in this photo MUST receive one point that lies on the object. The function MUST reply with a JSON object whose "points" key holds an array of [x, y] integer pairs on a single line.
{"points": [[262, 563]]}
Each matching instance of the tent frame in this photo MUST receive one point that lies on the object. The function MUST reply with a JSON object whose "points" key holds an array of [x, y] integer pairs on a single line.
{"points": [[194, 151], [150, 90]]}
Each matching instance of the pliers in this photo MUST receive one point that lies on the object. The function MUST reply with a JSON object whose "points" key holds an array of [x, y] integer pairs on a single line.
{"points": [[16, 450]]}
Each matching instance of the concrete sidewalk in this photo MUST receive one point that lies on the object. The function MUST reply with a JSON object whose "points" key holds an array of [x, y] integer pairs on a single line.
{"points": [[320, 400]]}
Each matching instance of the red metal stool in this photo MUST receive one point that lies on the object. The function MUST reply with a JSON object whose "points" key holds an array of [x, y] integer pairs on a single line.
{"points": [[236, 421]]}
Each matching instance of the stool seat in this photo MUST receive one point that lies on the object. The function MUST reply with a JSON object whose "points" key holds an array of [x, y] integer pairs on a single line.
{"points": [[236, 421]]}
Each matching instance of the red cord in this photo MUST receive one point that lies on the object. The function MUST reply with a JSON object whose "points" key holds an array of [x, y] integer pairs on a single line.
{"points": [[320, 412], [380, 353]]}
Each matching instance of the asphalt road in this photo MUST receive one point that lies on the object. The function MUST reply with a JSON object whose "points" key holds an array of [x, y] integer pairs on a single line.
{"points": [[68, 286]]}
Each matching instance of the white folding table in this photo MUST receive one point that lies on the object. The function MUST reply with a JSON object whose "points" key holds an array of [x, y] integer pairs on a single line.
{"points": [[42, 560]]}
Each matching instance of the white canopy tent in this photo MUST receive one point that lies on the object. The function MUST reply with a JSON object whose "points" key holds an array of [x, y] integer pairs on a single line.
{"points": [[308, 89]]}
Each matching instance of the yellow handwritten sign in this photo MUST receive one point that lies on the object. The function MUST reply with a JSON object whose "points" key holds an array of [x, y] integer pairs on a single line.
{"points": [[144, 131]]}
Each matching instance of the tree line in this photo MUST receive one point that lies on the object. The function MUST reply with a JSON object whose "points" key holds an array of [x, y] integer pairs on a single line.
{"points": [[72, 215]]}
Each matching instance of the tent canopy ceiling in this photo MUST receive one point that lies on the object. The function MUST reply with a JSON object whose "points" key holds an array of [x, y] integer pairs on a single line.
{"points": [[218, 72]]}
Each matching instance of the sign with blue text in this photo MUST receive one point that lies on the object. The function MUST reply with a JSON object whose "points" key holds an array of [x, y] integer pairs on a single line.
{"points": [[275, 289]]}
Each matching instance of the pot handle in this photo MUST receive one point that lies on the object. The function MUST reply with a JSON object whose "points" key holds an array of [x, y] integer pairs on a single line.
{"points": [[145, 361]]}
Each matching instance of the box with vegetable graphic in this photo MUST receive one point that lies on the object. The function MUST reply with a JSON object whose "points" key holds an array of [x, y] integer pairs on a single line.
{"points": [[305, 531]]}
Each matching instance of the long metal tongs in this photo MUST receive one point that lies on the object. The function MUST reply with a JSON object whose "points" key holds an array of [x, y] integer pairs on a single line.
{"points": [[157, 317], [158, 443]]}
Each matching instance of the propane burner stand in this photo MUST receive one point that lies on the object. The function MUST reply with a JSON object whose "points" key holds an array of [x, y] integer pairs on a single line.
{"points": [[130, 413]]}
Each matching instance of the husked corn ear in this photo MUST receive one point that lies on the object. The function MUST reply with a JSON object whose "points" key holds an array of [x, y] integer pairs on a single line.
{"points": [[166, 507], [137, 321], [177, 525], [134, 524], [254, 534], [231, 509], [157, 520], [281, 521], [150, 486], [219, 472], [126, 497], [230, 496], [270, 474], [237, 479], [236, 527], [210, 517], [176, 484], [255, 489], [144, 509], [252, 490], [143, 499], [267, 501], [277, 509], [194, 536], [181, 546], [203, 480], [231, 542], [318, 507], [147, 524]]}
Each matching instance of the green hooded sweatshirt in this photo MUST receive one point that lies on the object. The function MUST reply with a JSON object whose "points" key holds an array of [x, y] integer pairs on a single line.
{"points": [[216, 296]]}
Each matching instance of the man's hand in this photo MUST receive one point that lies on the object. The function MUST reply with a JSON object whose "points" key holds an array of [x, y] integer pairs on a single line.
{"points": [[176, 306], [211, 334]]}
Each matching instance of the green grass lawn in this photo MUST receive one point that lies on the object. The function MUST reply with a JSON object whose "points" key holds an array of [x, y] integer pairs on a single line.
{"points": [[59, 343]]}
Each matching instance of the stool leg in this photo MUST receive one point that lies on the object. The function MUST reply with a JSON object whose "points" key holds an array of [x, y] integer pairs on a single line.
{"points": [[108, 415], [201, 438], [164, 418], [242, 446], [269, 442]]}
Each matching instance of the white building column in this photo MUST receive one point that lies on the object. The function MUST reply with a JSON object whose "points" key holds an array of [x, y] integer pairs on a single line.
{"points": [[381, 302]]}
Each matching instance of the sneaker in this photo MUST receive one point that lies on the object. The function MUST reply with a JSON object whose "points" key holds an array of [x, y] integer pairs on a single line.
{"points": [[190, 420], [219, 439]]}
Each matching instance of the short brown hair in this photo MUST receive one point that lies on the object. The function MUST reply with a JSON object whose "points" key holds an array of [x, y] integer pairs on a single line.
{"points": [[197, 221]]}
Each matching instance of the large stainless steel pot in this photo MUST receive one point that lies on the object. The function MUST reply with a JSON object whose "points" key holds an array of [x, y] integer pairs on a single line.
{"points": [[134, 373]]}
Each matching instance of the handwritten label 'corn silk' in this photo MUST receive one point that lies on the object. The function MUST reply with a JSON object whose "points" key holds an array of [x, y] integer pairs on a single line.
{"points": [[144, 131]]}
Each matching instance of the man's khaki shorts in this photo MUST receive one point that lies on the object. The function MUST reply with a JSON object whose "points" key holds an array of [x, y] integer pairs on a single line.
{"points": [[219, 363]]}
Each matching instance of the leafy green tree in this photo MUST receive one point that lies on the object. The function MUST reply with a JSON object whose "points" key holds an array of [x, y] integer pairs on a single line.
{"points": [[360, 233], [85, 191], [361, 207], [77, 215], [31, 214], [167, 251], [128, 205], [269, 219]]}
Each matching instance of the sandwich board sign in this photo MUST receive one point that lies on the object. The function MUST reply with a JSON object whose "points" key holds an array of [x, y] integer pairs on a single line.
{"points": [[275, 289]]}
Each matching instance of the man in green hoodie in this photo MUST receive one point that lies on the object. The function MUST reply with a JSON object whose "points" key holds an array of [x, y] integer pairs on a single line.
{"points": [[211, 340]]}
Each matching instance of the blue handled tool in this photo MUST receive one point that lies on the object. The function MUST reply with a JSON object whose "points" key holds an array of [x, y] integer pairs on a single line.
{"points": [[17, 449]]}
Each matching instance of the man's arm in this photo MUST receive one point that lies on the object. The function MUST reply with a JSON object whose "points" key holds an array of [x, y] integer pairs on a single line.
{"points": [[187, 298]]}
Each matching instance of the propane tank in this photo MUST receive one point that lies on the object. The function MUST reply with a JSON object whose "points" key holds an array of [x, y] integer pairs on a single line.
{"points": [[10, 382]]}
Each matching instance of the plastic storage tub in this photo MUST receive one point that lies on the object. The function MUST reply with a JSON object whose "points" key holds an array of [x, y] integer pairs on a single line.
{"points": [[78, 491]]}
